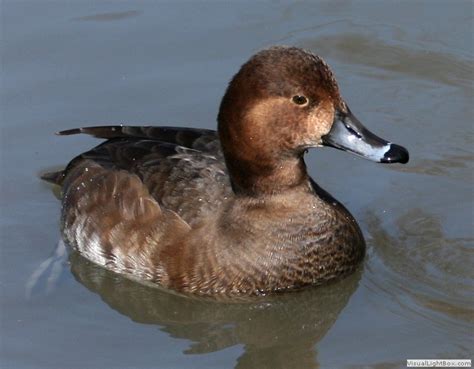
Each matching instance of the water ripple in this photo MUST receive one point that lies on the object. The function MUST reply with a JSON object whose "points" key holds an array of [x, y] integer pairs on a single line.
{"points": [[427, 273], [385, 47], [107, 17]]}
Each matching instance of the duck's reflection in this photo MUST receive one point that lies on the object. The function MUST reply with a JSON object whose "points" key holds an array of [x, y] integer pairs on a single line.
{"points": [[277, 332]]}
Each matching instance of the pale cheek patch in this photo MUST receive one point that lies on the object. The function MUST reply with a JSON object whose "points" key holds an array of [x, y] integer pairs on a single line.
{"points": [[258, 128], [320, 122], [260, 112]]}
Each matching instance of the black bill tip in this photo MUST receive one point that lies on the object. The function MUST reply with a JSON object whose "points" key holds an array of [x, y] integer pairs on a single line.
{"points": [[396, 154]]}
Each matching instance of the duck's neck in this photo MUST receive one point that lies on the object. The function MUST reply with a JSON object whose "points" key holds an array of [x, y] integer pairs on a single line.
{"points": [[267, 176], [260, 159]]}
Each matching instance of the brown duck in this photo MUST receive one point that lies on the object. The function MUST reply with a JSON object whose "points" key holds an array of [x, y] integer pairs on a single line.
{"points": [[225, 213]]}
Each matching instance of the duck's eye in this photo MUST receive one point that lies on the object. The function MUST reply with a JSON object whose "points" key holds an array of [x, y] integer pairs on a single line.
{"points": [[299, 100]]}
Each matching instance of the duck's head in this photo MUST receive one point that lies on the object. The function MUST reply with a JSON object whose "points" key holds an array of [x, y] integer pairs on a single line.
{"points": [[283, 101]]}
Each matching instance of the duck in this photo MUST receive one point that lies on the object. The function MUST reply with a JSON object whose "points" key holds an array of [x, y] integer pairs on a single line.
{"points": [[231, 212]]}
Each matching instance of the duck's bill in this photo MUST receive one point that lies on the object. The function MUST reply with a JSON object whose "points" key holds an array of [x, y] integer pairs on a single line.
{"points": [[348, 134]]}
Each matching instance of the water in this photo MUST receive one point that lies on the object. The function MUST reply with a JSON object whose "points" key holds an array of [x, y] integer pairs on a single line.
{"points": [[406, 71]]}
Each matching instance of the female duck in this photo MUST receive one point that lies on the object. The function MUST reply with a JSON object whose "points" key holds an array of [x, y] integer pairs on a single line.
{"points": [[227, 213]]}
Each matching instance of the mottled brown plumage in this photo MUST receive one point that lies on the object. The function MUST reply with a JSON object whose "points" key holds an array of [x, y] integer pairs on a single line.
{"points": [[233, 213]]}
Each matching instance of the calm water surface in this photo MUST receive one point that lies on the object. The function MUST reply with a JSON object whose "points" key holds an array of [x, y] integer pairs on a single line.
{"points": [[405, 69]]}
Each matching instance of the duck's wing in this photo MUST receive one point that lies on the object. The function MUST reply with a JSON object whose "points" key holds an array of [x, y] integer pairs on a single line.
{"points": [[110, 217]]}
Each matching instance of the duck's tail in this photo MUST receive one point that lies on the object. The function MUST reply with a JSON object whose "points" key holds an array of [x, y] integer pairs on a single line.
{"points": [[53, 177]]}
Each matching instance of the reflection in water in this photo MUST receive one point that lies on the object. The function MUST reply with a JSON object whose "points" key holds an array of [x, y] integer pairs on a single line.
{"points": [[426, 271], [277, 332]]}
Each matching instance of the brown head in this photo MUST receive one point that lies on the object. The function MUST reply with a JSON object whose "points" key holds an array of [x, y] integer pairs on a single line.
{"points": [[283, 101]]}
